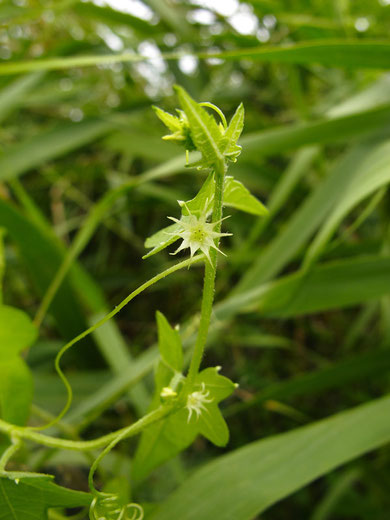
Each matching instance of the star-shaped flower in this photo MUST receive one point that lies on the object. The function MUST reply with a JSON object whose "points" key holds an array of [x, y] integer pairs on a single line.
{"points": [[197, 233]]}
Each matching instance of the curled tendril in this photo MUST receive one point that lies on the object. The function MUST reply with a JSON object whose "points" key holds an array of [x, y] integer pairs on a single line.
{"points": [[108, 507], [217, 110]]}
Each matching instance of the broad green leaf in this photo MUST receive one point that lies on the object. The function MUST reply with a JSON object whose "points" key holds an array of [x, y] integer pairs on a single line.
{"points": [[212, 425], [16, 391], [238, 197], [17, 331], [28, 496], [169, 343], [205, 132], [243, 484]]}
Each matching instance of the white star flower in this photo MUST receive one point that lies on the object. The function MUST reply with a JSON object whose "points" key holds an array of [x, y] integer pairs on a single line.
{"points": [[196, 401], [197, 233]]}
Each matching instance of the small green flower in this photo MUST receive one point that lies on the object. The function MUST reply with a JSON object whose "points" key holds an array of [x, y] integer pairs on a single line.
{"points": [[179, 126], [197, 233], [196, 129], [196, 402]]}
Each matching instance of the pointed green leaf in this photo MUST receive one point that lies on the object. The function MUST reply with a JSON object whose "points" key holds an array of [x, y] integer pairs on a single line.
{"points": [[237, 196], [169, 120], [16, 331], [234, 131], [203, 201], [236, 125], [205, 132], [213, 426], [161, 239], [27, 496], [220, 386], [169, 343]]}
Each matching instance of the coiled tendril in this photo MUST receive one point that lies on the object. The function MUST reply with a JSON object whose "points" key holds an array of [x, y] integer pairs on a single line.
{"points": [[107, 506]]}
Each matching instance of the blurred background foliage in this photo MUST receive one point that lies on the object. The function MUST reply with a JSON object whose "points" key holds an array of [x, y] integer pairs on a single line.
{"points": [[303, 323]]}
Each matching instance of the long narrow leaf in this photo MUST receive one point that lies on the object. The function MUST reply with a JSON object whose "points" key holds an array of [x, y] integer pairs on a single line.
{"points": [[248, 481]]}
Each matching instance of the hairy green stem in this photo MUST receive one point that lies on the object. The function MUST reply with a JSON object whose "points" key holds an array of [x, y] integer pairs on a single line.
{"points": [[19, 432], [209, 279]]}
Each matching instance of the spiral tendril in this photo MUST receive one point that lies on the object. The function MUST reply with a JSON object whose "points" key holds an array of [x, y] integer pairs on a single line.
{"points": [[108, 507]]}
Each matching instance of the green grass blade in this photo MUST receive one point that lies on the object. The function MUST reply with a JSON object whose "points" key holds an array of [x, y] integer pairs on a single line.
{"points": [[373, 173], [41, 258], [341, 374], [13, 94], [333, 285], [333, 53], [248, 481], [49, 145], [340, 129], [306, 219]]}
